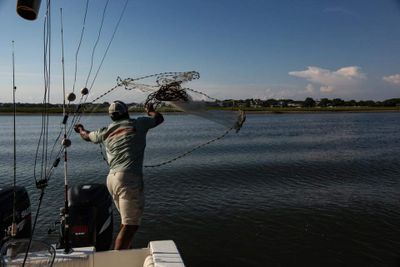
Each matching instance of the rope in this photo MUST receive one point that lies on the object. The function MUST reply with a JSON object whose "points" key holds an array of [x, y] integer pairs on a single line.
{"points": [[177, 157], [169, 92], [189, 151]]}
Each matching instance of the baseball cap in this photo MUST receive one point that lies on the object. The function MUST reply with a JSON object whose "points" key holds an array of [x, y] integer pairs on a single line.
{"points": [[118, 107]]}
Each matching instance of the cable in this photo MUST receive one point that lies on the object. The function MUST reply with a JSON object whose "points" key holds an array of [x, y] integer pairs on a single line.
{"points": [[109, 43], [43, 137], [97, 40], [79, 45], [34, 225]]}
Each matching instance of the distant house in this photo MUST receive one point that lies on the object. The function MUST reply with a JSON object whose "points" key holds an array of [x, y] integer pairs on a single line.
{"points": [[295, 104]]}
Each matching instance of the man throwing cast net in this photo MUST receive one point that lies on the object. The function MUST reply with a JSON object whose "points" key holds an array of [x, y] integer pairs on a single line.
{"points": [[125, 141]]}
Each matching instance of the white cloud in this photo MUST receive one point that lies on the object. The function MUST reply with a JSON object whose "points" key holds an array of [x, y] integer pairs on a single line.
{"points": [[394, 79], [350, 72], [343, 80]]}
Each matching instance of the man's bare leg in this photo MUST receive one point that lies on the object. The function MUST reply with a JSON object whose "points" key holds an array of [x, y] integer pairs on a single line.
{"points": [[125, 236]]}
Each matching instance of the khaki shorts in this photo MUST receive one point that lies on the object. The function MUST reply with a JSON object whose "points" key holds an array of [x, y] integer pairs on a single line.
{"points": [[127, 191]]}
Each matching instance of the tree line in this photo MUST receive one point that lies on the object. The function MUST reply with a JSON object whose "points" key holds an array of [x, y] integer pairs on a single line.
{"points": [[310, 102], [246, 103]]}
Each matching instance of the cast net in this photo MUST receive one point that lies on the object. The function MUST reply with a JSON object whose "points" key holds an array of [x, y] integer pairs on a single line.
{"points": [[167, 91], [170, 89]]}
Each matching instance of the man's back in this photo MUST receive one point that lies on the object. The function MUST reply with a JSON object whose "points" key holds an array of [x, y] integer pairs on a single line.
{"points": [[125, 142]]}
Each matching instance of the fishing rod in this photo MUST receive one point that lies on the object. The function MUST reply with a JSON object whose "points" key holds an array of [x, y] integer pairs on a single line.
{"points": [[14, 224], [65, 143]]}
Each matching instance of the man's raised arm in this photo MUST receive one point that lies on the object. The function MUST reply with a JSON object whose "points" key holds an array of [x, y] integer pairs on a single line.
{"points": [[155, 114], [81, 130]]}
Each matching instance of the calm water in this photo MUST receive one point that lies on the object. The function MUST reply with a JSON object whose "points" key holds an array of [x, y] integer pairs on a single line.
{"points": [[288, 190]]}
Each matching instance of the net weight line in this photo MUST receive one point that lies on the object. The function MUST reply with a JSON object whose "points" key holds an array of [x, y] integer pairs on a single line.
{"points": [[189, 151], [177, 157]]}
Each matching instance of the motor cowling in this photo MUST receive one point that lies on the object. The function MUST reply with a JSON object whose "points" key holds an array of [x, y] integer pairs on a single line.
{"points": [[90, 217], [23, 216]]}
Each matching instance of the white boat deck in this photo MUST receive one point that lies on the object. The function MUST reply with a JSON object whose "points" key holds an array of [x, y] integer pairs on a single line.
{"points": [[158, 254]]}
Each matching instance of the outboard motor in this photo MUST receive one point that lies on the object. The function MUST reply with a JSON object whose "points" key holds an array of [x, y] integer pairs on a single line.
{"points": [[90, 217], [23, 216]]}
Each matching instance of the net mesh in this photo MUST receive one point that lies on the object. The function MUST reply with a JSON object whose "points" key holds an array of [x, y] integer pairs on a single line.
{"points": [[167, 89]]}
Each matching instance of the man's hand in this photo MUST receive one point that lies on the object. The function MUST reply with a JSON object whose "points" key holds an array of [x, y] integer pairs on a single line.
{"points": [[149, 108], [78, 128], [82, 132], [152, 113]]}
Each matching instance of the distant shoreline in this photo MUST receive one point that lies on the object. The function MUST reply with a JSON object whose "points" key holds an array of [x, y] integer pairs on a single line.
{"points": [[57, 112]]}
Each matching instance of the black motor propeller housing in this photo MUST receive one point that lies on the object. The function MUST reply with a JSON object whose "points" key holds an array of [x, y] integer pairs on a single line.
{"points": [[90, 217]]}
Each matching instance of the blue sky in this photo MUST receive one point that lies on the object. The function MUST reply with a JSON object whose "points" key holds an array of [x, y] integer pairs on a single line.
{"points": [[242, 48]]}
